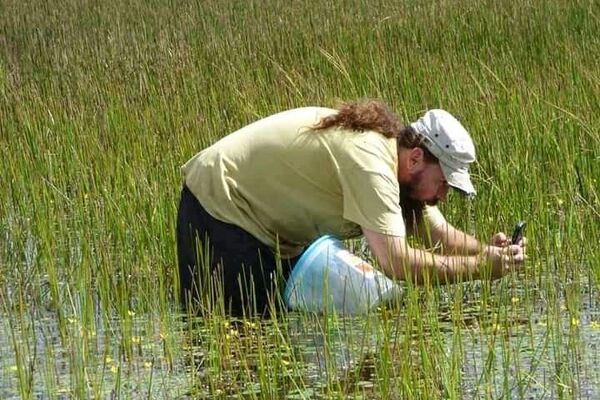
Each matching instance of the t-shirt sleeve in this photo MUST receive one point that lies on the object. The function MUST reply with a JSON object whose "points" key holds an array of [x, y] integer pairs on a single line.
{"points": [[370, 188]]}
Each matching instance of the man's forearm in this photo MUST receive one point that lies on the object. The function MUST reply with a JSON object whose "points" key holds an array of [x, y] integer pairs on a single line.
{"points": [[421, 266], [456, 242], [399, 260]]}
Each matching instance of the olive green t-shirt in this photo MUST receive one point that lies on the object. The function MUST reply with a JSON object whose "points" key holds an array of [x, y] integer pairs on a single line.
{"points": [[287, 184]]}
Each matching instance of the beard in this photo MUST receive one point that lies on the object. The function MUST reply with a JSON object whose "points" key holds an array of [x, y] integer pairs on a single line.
{"points": [[410, 189], [412, 209]]}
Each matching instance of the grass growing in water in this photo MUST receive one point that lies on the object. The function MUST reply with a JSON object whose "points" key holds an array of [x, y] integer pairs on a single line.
{"points": [[101, 103]]}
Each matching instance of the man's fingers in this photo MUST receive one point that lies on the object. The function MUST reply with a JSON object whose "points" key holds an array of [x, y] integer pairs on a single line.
{"points": [[512, 249], [512, 261], [500, 239]]}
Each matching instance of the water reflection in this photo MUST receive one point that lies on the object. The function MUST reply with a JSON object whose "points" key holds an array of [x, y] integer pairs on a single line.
{"points": [[503, 341]]}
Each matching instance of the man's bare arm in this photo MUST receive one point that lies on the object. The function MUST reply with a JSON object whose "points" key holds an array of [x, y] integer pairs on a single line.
{"points": [[400, 261], [456, 241]]}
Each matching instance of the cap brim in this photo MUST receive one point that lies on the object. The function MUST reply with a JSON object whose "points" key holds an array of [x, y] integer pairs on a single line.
{"points": [[459, 179]]}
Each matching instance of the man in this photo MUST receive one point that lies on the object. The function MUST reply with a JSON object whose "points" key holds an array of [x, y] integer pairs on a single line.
{"points": [[256, 198]]}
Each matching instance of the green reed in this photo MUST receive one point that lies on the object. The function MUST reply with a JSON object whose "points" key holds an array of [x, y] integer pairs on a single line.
{"points": [[101, 103]]}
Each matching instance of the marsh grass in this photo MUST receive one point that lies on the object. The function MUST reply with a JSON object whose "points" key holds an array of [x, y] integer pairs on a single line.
{"points": [[100, 103]]}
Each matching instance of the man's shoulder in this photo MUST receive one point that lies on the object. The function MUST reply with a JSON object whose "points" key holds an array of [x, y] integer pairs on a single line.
{"points": [[308, 112], [291, 119], [371, 145]]}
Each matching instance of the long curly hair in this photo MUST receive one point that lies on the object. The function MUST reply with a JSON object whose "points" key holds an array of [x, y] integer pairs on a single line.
{"points": [[374, 115], [364, 115]]}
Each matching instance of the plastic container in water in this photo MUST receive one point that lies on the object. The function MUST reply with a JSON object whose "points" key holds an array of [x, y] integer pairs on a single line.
{"points": [[328, 276]]}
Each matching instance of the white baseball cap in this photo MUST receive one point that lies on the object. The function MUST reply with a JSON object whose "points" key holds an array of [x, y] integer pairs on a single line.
{"points": [[449, 141]]}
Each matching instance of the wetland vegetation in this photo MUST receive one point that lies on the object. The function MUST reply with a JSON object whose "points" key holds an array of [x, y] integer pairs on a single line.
{"points": [[101, 102]]}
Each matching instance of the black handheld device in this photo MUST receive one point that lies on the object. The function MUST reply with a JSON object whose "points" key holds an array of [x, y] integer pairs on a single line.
{"points": [[518, 232]]}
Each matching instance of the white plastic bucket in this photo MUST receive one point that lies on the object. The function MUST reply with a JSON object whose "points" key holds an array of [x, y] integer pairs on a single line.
{"points": [[328, 276]]}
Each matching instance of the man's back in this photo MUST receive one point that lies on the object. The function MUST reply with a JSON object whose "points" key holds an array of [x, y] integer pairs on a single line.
{"points": [[283, 182]]}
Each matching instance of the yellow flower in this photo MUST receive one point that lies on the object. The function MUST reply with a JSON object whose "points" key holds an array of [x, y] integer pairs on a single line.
{"points": [[250, 324], [231, 334], [114, 369], [147, 364], [575, 321], [594, 325], [131, 313], [108, 359], [515, 300], [136, 339]]}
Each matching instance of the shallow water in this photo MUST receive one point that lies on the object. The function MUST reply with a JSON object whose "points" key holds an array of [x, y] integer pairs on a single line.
{"points": [[538, 349], [523, 360]]}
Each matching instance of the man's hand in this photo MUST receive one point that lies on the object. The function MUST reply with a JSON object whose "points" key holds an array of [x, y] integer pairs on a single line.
{"points": [[501, 240], [506, 259]]}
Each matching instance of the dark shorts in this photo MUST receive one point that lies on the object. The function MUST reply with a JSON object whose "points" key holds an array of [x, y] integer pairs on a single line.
{"points": [[222, 261]]}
